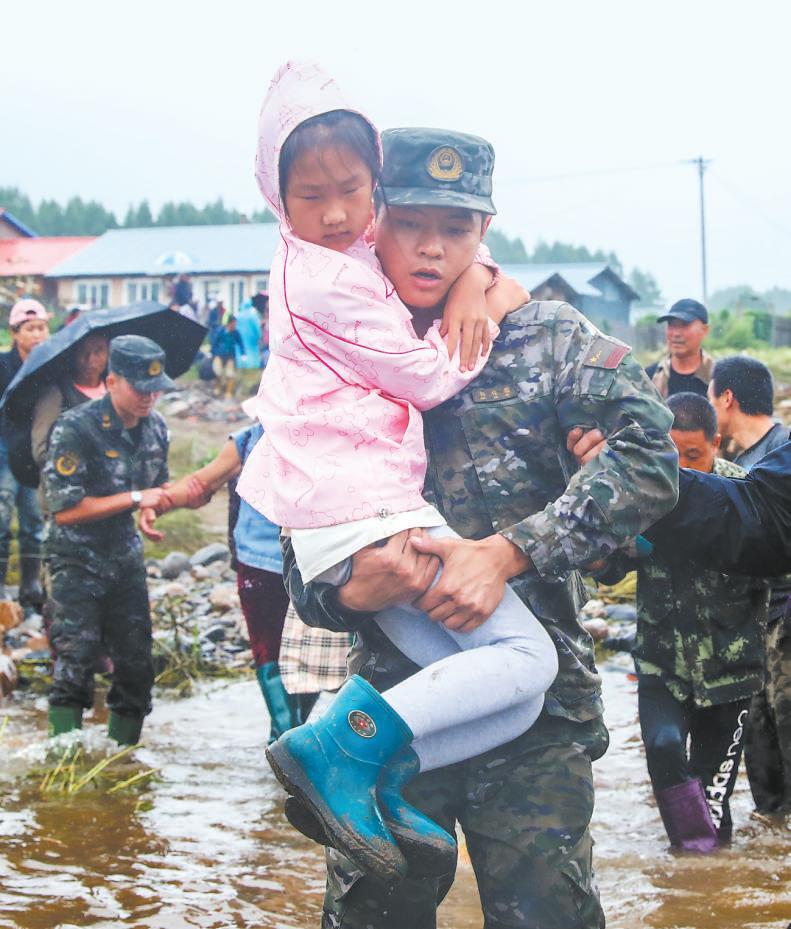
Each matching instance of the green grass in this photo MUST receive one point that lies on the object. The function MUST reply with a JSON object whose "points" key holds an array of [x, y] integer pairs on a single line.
{"points": [[778, 360], [184, 532]]}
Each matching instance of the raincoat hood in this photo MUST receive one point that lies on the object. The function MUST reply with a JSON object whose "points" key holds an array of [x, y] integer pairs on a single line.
{"points": [[299, 91]]}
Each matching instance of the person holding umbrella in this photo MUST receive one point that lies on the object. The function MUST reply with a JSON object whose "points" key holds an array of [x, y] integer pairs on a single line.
{"points": [[28, 324], [69, 369], [106, 459], [86, 382]]}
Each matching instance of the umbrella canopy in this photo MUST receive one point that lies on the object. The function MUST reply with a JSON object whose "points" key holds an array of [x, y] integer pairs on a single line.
{"points": [[168, 262], [49, 362]]}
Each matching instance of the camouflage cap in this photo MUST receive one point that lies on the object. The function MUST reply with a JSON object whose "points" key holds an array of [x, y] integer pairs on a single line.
{"points": [[436, 167], [141, 361]]}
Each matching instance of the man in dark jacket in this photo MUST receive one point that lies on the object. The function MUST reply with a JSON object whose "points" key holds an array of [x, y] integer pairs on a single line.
{"points": [[28, 324]]}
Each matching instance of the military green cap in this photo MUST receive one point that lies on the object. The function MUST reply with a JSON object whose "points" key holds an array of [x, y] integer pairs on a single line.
{"points": [[436, 167], [141, 361]]}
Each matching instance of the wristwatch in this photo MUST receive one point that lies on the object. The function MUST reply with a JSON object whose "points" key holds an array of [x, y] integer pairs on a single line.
{"points": [[137, 497]]}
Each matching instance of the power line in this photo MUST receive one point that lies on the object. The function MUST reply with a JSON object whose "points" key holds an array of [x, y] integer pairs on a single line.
{"points": [[599, 172]]}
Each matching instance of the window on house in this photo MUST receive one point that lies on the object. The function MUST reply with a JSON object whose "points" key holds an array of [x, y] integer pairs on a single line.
{"points": [[131, 293]]}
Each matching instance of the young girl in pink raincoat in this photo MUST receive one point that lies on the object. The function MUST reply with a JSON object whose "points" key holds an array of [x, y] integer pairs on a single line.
{"points": [[342, 465]]}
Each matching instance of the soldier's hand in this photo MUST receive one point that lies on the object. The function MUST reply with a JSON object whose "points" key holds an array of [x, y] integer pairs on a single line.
{"points": [[473, 580], [152, 498], [585, 444], [146, 522], [385, 575]]}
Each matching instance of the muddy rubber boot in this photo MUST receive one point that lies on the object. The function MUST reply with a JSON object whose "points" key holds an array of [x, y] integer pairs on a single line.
{"points": [[31, 593], [125, 729], [229, 388], [64, 719], [687, 817], [429, 850], [332, 766], [283, 707]]}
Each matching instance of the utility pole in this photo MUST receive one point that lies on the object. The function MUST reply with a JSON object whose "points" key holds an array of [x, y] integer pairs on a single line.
{"points": [[702, 163]]}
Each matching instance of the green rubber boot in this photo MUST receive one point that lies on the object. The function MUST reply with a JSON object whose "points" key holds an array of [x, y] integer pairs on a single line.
{"points": [[332, 766], [125, 729], [283, 707], [64, 719]]}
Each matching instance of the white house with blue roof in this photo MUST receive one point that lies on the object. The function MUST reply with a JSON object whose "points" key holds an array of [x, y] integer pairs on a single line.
{"points": [[125, 265]]}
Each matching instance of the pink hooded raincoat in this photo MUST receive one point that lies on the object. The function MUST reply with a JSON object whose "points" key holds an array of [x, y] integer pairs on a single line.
{"points": [[347, 375]]}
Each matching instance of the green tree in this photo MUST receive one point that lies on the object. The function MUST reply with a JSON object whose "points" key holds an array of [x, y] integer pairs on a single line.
{"points": [[139, 217], [564, 252], [19, 205], [646, 285], [505, 250]]}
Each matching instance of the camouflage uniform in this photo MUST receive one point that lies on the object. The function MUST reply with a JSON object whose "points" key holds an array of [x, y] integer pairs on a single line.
{"points": [[97, 571], [701, 632], [768, 737], [699, 656], [498, 463]]}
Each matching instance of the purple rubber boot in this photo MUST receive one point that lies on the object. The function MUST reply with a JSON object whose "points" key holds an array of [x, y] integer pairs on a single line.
{"points": [[687, 818]]}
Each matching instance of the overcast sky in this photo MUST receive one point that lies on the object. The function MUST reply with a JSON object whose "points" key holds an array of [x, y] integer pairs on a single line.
{"points": [[592, 109]]}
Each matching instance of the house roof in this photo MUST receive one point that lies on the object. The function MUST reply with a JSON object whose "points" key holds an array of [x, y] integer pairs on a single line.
{"points": [[23, 257], [20, 227], [247, 247], [577, 275]]}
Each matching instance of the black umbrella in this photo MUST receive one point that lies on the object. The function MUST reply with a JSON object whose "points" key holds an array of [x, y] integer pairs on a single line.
{"points": [[179, 336]]}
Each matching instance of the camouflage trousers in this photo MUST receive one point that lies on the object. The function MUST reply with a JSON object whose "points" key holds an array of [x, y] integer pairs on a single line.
{"points": [[95, 613], [768, 735], [524, 813]]}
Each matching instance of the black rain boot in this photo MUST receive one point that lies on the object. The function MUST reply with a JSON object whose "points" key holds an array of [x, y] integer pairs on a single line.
{"points": [[31, 593]]}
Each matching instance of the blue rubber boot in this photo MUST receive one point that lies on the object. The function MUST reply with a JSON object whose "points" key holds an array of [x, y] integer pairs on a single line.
{"points": [[428, 849], [284, 711], [332, 767]]}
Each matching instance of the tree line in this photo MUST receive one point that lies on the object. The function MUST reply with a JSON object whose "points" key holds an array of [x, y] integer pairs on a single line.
{"points": [[88, 217]]}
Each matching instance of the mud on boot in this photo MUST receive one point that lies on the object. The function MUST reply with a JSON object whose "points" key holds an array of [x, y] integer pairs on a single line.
{"points": [[332, 767], [429, 850]]}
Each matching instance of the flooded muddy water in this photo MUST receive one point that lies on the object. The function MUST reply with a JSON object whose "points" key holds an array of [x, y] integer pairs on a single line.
{"points": [[206, 844]]}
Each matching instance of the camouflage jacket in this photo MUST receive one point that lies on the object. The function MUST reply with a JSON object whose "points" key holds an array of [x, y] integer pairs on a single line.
{"points": [[91, 454], [498, 463], [700, 631]]}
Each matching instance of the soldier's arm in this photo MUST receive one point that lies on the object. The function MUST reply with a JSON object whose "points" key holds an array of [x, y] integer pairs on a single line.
{"points": [[381, 577], [632, 483], [65, 475], [317, 604]]}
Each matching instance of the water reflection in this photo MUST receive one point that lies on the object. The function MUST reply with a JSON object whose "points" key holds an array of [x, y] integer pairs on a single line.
{"points": [[209, 847]]}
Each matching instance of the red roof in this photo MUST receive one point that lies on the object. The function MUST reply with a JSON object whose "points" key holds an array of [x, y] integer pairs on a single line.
{"points": [[36, 256]]}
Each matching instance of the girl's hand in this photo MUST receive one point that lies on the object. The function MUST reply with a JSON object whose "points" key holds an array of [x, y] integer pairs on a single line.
{"points": [[465, 320], [504, 297]]}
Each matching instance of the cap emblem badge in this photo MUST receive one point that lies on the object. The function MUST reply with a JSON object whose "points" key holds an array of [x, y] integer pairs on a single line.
{"points": [[66, 465], [444, 164], [154, 369], [362, 724]]}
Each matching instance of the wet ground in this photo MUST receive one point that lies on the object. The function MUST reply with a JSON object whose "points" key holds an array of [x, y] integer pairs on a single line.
{"points": [[206, 845]]}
